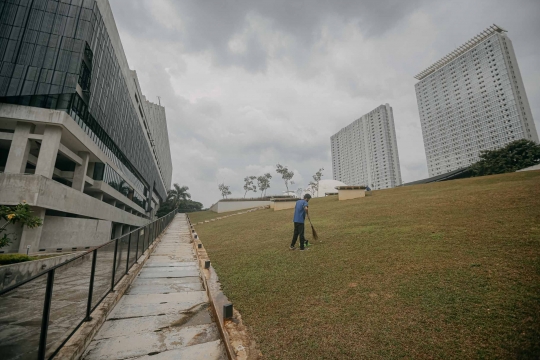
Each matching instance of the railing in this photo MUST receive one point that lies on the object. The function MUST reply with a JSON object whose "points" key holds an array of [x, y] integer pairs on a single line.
{"points": [[40, 314]]}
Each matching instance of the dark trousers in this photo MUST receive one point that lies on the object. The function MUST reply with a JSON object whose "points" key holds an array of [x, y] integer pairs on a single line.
{"points": [[298, 230]]}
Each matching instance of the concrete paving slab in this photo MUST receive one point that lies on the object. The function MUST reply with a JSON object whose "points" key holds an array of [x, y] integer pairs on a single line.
{"points": [[158, 262], [125, 347], [208, 351], [168, 272], [194, 284], [165, 313], [148, 324]]}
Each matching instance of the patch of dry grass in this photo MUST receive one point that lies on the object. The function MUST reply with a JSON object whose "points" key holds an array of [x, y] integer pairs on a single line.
{"points": [[443, 270], [208, 215]]}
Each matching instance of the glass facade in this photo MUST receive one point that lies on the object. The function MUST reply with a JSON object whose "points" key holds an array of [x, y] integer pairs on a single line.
{"points": [[59, 55]]}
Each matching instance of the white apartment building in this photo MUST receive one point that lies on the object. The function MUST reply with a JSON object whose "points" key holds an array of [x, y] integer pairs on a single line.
{"points": [[471, 100], [365, 152]]}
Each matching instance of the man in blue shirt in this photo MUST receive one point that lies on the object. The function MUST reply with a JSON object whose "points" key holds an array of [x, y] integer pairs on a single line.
{"points": [[300, 212]]}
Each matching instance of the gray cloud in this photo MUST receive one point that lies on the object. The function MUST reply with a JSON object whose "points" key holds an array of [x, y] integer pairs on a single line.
{"points": [[210, 25], [248, 84]]}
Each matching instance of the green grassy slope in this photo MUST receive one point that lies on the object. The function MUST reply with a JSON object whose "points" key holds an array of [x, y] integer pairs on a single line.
{"points": [[443, 270], [197, 216]]}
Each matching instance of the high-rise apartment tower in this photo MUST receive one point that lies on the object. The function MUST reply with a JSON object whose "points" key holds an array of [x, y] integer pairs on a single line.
{"points": [[365, 152], [473, 99], [78, 140]]}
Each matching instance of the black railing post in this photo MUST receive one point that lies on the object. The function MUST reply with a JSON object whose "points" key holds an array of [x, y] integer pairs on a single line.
{"points": [[91, 288], [137, 247], [46, 314], [114, 264], [127, 257]]}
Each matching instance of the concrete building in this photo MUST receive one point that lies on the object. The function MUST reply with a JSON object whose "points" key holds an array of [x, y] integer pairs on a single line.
{"points": [[78, 140], [471, 100], [365, 152]]}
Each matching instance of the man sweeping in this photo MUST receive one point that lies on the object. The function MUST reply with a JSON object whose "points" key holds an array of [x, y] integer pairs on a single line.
{"points": [[300, 211]]}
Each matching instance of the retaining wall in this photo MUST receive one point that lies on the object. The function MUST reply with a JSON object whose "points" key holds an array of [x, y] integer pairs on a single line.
{"points": [[15, 273]]}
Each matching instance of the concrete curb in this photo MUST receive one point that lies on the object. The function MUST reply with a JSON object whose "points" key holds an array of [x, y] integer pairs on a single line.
{"points": [[75, 347], [246, 348]]}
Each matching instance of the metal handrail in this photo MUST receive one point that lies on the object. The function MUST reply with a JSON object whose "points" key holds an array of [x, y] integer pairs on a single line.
{"points": [[153, 230]]}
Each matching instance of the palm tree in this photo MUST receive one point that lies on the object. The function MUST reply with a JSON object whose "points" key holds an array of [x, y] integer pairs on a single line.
{"points": [[178, 194]]}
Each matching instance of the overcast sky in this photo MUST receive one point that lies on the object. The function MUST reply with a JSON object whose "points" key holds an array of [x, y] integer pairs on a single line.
{"points": [[248, 84]]}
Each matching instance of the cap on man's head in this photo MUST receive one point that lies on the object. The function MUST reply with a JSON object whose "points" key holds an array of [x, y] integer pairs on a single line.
{"points": [[307, 197]]}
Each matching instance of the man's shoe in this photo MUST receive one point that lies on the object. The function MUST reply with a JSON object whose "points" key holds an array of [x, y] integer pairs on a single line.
{"points": [[304, 249], [292, 248], [307, 243]]}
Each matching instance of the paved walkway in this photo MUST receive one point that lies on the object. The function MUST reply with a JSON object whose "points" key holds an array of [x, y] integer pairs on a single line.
{"points": [[165, 313]]}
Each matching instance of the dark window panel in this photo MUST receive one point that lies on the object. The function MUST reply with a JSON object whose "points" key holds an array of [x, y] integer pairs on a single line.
{"points": [[73, 11], [4, 83], [34, 21], [20, 17], [8, 15], [52, 6], [48, 62], [3, 47], [59, 25], [63, 9], [54, 40], [39, 55], [9, 54], [13, 88], [15, 33], [47, 22], [43, 88]]}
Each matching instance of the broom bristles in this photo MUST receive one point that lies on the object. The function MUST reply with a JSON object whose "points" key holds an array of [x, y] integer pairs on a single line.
{"points": [[314, 233]]}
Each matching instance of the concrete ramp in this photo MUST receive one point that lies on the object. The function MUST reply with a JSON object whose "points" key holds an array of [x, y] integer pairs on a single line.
{"points": [[165, 313]]}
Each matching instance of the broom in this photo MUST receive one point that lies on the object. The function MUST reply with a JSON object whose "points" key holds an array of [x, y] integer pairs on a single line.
{"points": [[313, 232]]}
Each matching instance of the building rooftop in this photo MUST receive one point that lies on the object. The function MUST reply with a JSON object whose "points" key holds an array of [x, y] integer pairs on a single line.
{"points": [[460, 50]]}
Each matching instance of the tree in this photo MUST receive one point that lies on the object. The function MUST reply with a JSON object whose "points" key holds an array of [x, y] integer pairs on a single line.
{"points": [[264, 183], [299, 192], [514, 156], [185, 206], [310, 188], [178, 194], [249, 185], [286, 175], [316, 179], [20, 213], [224, 190], [122, 187]]}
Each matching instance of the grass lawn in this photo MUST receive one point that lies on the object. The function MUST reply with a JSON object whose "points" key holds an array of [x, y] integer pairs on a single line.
{"points": [[443, 270]]}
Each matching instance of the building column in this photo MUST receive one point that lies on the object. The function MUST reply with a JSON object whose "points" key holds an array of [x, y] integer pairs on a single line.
{"points": [[32, 236], [79, 174], [48, 151], [117, 230], [90, 169], [19, 150]]}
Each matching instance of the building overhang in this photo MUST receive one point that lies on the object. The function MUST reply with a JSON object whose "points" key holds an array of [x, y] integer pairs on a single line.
{"points": [[46, 193]]}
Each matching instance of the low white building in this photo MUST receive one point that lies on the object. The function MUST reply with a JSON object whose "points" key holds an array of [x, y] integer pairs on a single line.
{"points": [[325, 186]]}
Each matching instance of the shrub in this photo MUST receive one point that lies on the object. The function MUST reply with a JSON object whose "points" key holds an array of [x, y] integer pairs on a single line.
{"points": [[6, 259]]}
